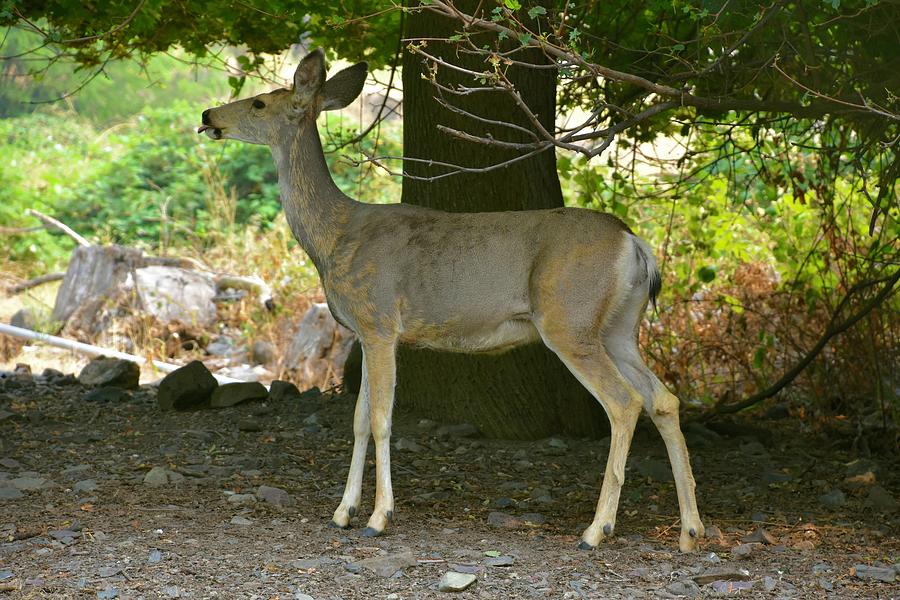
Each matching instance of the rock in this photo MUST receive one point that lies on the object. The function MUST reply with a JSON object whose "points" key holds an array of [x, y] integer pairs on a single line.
{"points": [[760, 536], [684, 588], [758, 517], [274, 496], [880, 500], [229, 394], [262, 353], [108, 594], [462, 430], [154, 557], [872, 573], [452, 581], [805, 545], [499, 561], [9, 493], [283, 390], [714, 533], [190, 386], [742, 550], [249, 424], [28, 484], [833, 499], [160, 476], [221, 346], [240, 521], [408, 445], [10, 463], [24, 318], [387, 565], [769, 477], [730, 587], [654, 469], [503, 502], [308, 563], [107, 394], [242, 499], [499, 519], [541, 495], [310, 394], [103, 371], [769, 583], [302, 596], [174, 294], [85, 485], [557, 443], [319, 347], [721, 575], [534, 518]]}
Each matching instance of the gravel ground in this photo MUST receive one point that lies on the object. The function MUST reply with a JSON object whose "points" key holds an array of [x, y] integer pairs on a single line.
{"points": [[116, 499]]}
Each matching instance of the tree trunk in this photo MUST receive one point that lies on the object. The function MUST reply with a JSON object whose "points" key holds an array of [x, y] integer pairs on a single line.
{"points": [[526, 393]]}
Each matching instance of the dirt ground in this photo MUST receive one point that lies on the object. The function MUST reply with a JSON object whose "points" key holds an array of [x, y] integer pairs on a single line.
{"points": [[78, 519]]}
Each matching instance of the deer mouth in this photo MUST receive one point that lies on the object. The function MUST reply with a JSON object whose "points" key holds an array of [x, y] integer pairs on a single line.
{"points": [[213, 133]]}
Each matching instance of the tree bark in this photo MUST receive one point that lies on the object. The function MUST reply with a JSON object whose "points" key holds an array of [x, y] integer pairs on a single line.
{"points": [[526, 393]]}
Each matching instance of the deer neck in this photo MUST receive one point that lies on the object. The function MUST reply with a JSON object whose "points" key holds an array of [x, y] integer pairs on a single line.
{"points": [[316, 210]]}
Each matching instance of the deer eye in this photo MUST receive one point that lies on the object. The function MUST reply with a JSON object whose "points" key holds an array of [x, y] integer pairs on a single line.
{"points": [[259, 104]]}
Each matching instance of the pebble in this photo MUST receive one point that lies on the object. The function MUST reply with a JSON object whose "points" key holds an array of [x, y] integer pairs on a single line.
{"points": [[10, 493], [387, 565], [302, 596], [760, 536], [160, 476], [452, 581], [502, 502], [499, 519], [714, 533], [103, 371], [108, 594], [10, 463], [721, 575], [769, 583], [249, 424], [872, 573], [242, 499], [85, 485], [407, 445], [684, 588], [242, 521], [274, 496], [833, 499], [154, 557], [499, 561], [280, 391], [229, 394], [742, 550]]}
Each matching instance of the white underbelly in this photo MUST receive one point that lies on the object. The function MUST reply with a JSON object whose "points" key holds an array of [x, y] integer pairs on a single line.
{"points": [[505, 336]]}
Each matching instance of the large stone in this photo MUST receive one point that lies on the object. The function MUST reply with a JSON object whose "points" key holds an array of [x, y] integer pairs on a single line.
{"points": [[319, 348], [116, 372], [386, 566], [229, 394], [173, 294], [190, 386], [274, 496], [283, 390], [24, 318], [456, 582]]}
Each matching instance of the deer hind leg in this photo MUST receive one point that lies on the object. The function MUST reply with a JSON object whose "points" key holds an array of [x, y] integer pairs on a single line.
{"points": [[381, 369], [594, 368], [662, 406], [361, 430]]}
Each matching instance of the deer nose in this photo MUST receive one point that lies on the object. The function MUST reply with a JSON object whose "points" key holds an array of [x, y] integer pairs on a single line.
{"points": [[205, 117]]}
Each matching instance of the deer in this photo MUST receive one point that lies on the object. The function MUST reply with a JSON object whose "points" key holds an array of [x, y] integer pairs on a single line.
{"points": [[577, 280]]}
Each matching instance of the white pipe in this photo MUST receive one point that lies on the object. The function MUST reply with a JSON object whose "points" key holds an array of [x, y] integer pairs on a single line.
{"points": [[88, 349]]}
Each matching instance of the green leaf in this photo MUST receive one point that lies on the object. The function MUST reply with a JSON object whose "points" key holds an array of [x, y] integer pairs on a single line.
{"points": [[707, 273], [502, 35], [678, 47], [493, 553], [535, 11], [512, 4], [524, 38]]}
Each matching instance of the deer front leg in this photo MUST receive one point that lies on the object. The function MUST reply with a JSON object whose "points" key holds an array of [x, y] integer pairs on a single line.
{"points": [[622, 420], [381, 371], [664, 414], [361, 430]]}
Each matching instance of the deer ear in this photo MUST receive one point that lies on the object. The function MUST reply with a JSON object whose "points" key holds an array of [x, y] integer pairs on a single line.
{"points": [[309, 77], [344, 86]]}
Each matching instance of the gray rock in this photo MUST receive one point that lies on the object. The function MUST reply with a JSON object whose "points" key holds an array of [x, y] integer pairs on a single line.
{"points": [[9, 493], [229, 394], [308, 563], [881, 500], [499, 561], [10, 463], [171, 591], [154, 557], [249, 424], [769, 583], [283, 390], [240, 521], [462, 430], [533, 518], [684, 588], [85, 485], [387, 565], [24, 318], [160, 476], [408, 445], [503, 502], [242, 499], [541, 495], [711, 575], [221, 346], [452, 581], [499, 519], [28, 484], [742, 550], [262, 353], [833, 499], [274, 496], [873, 573], [175, 294], [760, 536], [557, 443], [302, 596], [107, 394], [714, 533], [108, 594], [191, 386], [103, 371], [654, 469]]}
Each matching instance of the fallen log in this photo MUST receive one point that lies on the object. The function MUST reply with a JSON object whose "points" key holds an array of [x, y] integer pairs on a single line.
{"points": [[91, 350], [27, 285]]}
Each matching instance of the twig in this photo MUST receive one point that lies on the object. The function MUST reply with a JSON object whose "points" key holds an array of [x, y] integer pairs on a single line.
{"points": [[48, 220], [27, 285]]}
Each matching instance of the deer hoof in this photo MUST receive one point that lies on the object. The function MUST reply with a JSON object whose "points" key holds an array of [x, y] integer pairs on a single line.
{"points": [[334, 525], [585, 546], [371, 532]]}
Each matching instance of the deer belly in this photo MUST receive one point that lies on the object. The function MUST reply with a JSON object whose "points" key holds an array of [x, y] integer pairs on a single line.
{"points": [[494, 338]]}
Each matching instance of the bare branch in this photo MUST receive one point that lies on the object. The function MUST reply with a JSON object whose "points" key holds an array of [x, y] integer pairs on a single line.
{"points": [[48, 220]]}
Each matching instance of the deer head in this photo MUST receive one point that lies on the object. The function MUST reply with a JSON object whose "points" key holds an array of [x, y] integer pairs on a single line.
{"points": [[263, 118]]}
